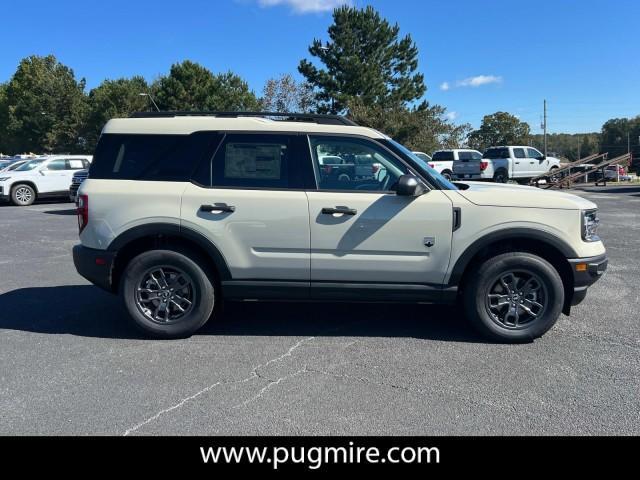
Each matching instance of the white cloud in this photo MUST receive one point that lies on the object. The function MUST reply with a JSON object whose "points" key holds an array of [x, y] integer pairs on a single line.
{"points": [[306, 6], [444, 86], [478, 81], [451, 115]]}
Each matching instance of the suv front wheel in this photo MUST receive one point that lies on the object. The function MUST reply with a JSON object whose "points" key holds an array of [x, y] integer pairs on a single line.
{"points": [[23, 195], [168, 293], [514, 297]]}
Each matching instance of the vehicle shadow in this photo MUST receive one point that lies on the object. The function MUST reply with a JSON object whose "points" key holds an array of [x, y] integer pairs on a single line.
{"points": [[87, 311], [71, 211]]}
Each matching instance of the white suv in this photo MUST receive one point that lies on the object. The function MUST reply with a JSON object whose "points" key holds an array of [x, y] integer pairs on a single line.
{"points": [[501, 164], [181, 212], [42, 177]]}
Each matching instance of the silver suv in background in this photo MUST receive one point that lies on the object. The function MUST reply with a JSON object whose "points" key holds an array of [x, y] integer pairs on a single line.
{"points": [[78, 177]]}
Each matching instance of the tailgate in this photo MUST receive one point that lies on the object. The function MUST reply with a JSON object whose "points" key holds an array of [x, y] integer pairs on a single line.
{"points": [[465, 167]]}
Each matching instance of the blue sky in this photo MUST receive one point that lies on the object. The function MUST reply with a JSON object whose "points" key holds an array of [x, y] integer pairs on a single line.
{"points": [[478, 57]]}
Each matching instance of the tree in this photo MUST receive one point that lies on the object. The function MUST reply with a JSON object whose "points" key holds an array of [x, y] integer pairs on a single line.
{"points": [[190, 86], [616, 132], [284, 94], [422, 128], [46, 107], [4, 118], [364, 59], [111, 99], [500, 128]]}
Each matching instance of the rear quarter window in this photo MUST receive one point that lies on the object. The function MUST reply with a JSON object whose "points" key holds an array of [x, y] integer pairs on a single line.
{"points": [[442, 156], [150, 157], [496, 153]]}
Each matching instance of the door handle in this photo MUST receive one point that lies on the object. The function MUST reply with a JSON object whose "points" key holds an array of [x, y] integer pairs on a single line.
{"points": [[344, 210], [218, 207], [517, 163]]}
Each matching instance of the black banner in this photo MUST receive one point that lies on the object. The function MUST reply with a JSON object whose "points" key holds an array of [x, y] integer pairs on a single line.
{"points": [[324, 454]]}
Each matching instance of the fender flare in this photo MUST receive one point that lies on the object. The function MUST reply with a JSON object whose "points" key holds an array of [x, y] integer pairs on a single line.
{"points": [[174, 230], [521, 233]]}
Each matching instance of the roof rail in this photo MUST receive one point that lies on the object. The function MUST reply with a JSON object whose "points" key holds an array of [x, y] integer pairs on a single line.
{"points": [[285, 116]]}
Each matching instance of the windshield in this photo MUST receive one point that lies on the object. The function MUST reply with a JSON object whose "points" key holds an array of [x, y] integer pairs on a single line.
{"points": [[30, 165], [426, 170]]}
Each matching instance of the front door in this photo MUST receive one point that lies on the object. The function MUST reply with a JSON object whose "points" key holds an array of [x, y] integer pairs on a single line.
{"points": [[363, 233]]}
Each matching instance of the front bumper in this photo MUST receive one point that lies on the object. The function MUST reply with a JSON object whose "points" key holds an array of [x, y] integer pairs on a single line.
{"points": [[94, 265], [586, 271]]}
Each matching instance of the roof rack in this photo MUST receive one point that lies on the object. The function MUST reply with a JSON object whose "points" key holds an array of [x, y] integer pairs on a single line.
{"points": [[285, 116]]}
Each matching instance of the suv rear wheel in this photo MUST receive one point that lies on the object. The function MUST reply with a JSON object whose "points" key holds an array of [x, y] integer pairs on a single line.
{"points": [[514, 297], [447, 174], [23, 195], [168, 293]]}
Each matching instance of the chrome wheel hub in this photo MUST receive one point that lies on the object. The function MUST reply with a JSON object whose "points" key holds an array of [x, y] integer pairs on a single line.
{"points": [[23, 195]]}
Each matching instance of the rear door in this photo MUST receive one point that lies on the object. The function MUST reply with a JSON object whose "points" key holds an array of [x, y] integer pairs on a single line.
{"points": [[521, 167], [249, 201]]}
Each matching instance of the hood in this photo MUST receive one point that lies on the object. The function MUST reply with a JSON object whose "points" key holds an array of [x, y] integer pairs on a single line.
{"points": [[509, 195]]}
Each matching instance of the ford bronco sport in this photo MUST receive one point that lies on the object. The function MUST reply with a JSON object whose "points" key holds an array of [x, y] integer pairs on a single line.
{"points": [[184, 210]]}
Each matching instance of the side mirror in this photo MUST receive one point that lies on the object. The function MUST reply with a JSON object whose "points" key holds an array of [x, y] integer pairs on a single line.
{"points": [[542, 157], [409, 186]]}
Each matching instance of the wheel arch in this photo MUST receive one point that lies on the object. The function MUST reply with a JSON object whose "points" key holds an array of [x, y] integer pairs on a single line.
{"points": [[163, 235], [546, 245], [31, 183]]}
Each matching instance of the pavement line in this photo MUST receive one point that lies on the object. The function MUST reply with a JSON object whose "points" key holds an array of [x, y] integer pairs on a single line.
{"points": [[268, 386]]}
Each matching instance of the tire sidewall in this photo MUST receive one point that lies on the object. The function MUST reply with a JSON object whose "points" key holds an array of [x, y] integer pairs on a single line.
{"points": [[202, 283], [500, 176], [14, 190], [448, 175], [478, 288]]}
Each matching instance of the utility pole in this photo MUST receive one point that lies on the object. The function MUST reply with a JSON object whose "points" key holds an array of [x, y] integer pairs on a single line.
{"points": [[578, 149], [544, 126]]}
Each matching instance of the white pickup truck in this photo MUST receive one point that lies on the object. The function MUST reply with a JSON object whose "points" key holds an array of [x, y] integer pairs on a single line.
{"points": [[501, 164], [444, 160]]}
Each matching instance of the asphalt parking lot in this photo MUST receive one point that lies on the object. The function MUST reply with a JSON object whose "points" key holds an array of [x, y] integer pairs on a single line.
{"points": [[71, 364]]}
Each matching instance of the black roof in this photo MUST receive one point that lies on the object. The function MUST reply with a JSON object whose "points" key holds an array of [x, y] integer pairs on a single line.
{"points": [[281, 116]]}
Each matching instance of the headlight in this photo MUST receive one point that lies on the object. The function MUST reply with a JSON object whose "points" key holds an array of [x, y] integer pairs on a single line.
{"points": [[590, 222]]}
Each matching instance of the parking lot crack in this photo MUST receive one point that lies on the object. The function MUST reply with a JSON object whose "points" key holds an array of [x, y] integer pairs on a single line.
{"points": [[272, 383], [255, 373]]}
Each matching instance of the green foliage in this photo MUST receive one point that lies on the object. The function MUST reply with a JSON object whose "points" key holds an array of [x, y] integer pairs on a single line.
{"points": [[567, 145], [500, 128], [613, 138], [112, 99], [45, 107], [365, 60], [190, 86], [422, 128], [4, 119], [284, 94]]}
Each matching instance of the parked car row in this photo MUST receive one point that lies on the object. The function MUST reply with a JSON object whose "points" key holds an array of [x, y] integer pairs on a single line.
{"points": [[497, 164], [41, 177]]}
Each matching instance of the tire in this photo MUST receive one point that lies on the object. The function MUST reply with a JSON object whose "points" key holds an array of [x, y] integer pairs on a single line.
{"points": [[501, 176], [193, 293], [23, 195], [553, 175], [447, 174], [485, 294]]}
